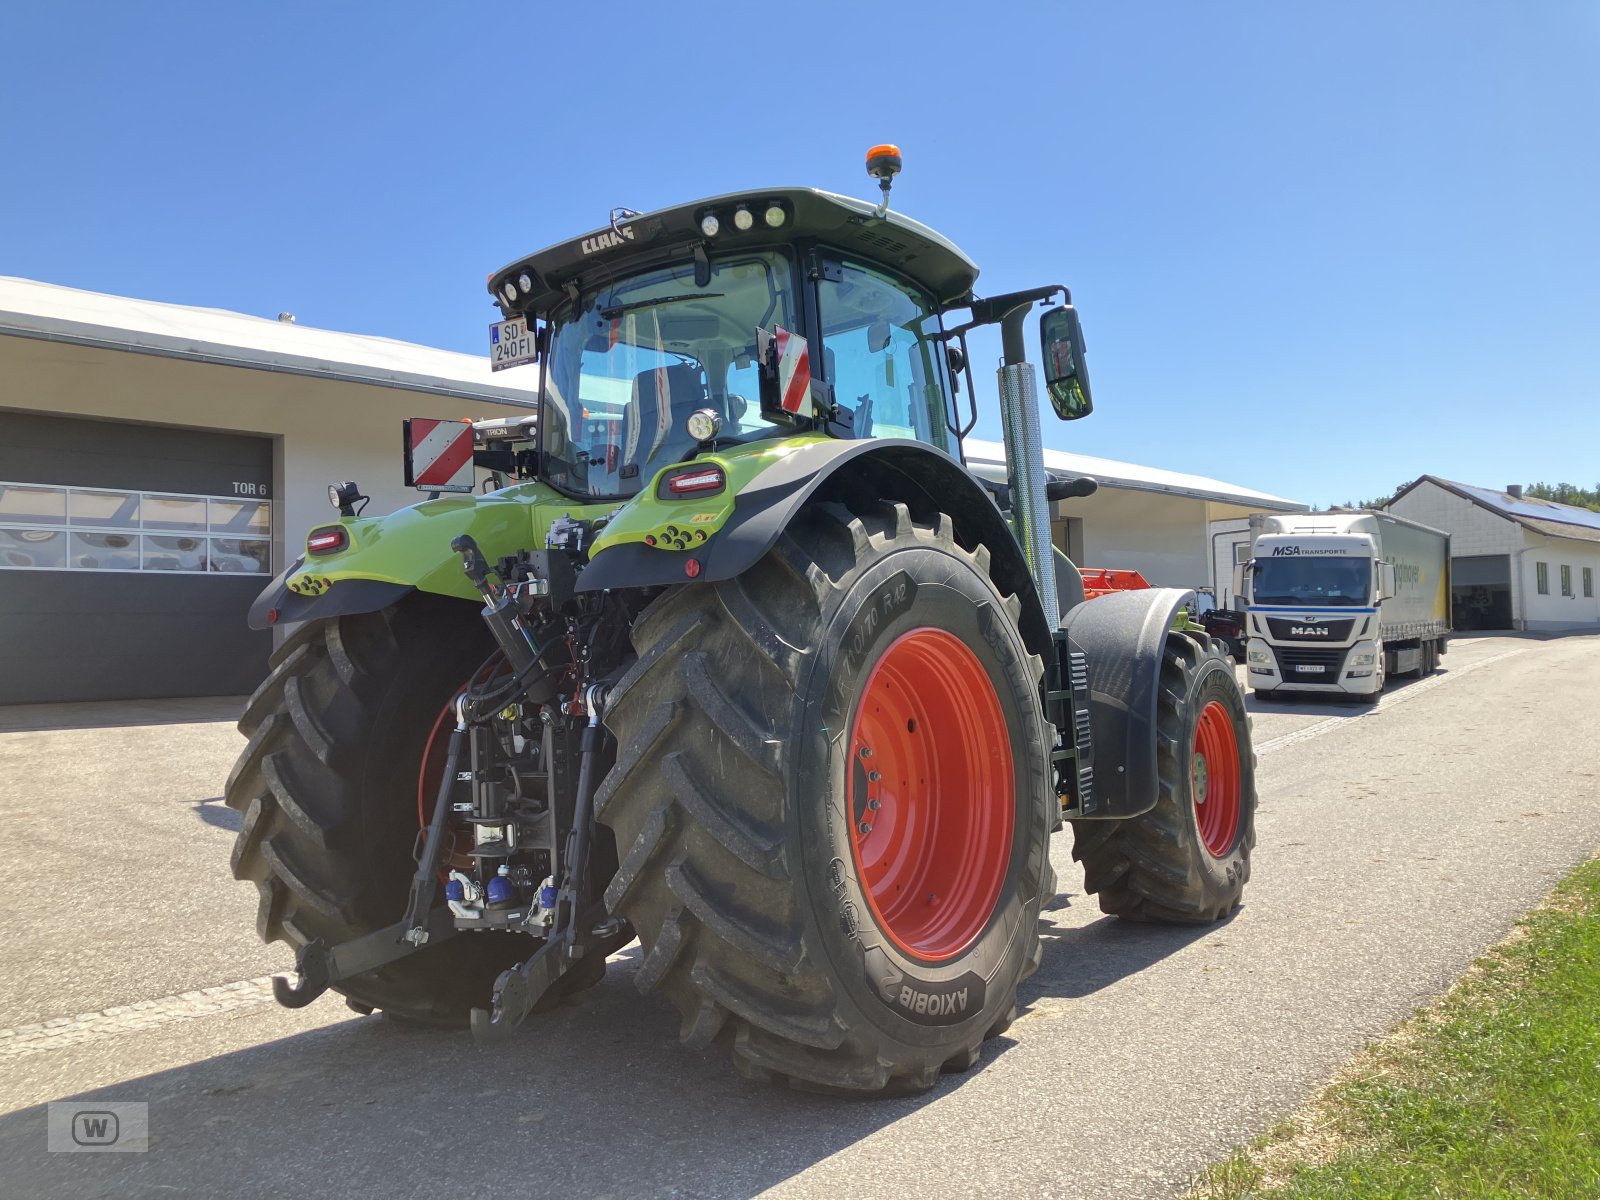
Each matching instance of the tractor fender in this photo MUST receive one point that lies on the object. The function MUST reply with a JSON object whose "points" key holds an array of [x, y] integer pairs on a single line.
{"points": [[1124, 637], [277, 605], [391, 555], [922, 476]]}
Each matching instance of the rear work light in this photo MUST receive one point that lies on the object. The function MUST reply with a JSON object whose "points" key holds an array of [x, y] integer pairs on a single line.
{"points": [[696, 482], [328, 540]]}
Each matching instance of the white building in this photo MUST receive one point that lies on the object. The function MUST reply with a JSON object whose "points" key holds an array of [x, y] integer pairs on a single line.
{"points": [[1516, 562], [159, 463]]}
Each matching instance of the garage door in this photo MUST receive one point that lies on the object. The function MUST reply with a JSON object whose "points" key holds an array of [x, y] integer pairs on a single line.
{"points": [[1480, 591], [129, 555]]}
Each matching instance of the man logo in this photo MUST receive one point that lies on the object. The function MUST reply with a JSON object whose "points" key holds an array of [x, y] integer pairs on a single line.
{"points": [[96, 1128]]}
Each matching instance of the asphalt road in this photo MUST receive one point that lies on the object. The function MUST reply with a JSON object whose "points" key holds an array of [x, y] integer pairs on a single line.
{"points": [[1395, 845]]}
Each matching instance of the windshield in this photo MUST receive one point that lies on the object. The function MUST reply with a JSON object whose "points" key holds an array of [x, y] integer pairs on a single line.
{"points": [[645, 352], [1331, 582]]}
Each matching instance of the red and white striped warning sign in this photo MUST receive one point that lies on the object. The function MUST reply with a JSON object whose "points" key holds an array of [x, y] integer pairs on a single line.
{"points": [[794, 371], [439, 455]]}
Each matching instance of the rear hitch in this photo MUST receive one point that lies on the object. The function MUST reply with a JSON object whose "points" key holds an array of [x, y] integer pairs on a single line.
{"points": [[318, 966], [588, 930]]}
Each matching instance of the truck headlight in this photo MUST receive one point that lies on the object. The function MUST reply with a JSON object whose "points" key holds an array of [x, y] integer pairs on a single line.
{"points": [[1260, 658], [1366, 659]]}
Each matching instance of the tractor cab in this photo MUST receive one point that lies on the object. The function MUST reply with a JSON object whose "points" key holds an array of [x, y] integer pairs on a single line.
{"points": [[731, 320]]}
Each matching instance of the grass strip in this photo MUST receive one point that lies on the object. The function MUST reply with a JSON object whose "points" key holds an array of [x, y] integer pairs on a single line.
{"points": [[1491, 1091]]}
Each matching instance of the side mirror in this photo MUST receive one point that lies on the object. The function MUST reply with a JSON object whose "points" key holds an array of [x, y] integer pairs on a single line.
{"points": [[1066, 375], [1239, 573]]}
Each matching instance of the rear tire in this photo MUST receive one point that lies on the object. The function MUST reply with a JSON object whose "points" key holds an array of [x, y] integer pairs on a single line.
{"points": [[736, 802], [328, 789], [1187, 859]]}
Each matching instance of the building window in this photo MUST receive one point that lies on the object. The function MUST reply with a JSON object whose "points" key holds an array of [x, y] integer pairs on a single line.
{"points": [[1566, 580], [1588, 582], [105, 529], [1541, 578]]}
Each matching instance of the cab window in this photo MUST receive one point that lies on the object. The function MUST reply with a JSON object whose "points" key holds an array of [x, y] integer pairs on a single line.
{"points": [[881, 354]]}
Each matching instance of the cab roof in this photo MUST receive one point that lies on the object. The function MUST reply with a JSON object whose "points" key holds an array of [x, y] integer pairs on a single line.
{"points": [[841, 222]]}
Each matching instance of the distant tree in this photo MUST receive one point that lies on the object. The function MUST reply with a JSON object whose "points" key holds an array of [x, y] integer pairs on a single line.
{"points": [[1565, 493], [1379, 502]]}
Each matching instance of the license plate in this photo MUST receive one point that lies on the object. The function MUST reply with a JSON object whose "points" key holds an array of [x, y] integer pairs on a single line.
{"points": [[510, 344], [1311, 669]]}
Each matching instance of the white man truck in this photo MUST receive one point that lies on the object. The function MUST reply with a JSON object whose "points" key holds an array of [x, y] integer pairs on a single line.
{"points": [[1337, 602]]}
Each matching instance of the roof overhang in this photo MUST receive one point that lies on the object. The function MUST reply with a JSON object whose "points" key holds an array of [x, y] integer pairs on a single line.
{"points": [[989, 460], [69, 316]]}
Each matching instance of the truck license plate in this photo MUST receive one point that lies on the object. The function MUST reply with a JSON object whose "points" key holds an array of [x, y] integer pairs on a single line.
{"points": [[1311, 668], [510, 344]]}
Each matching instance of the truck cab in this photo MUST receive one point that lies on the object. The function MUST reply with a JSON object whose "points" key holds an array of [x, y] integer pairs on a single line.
{"points": [[1312, 594], [1338, 602]]}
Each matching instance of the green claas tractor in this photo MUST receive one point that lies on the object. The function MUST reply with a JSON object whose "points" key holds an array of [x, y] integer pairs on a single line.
{"points": [[728, 652]]}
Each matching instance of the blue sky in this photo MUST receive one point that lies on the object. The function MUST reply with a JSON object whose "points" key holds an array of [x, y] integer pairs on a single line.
{"points": [[1318, 250]]}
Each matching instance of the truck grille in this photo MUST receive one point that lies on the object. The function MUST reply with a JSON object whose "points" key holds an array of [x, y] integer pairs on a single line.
{"points": [[1283, 630], [1309, 664]]}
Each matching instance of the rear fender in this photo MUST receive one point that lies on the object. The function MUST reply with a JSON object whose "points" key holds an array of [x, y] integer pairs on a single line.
{"points": [[921, 476], [407, 550], [1124, 637]]}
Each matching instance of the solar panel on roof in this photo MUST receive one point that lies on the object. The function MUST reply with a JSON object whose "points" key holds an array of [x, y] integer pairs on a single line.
{"points": [[1538, 510]]}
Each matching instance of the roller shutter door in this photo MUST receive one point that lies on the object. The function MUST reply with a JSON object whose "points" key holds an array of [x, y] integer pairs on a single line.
{"points": [[129, 555]]}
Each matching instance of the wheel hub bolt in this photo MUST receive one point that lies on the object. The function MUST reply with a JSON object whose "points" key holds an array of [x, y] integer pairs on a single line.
{"points": [[866, 752], [874, 776], [874, 805], [864, 827]]}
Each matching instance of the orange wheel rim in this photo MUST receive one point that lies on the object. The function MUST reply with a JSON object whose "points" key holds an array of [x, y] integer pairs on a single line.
{"points": [[932, 792], [1215, 779]]}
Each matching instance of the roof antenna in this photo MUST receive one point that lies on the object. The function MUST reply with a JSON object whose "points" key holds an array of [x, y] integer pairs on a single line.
{"points": [[883, 164], [619, 217]]}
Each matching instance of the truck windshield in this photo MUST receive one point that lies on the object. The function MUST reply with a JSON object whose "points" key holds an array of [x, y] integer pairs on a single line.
{"points": [[639, 355], [1331, 582]]}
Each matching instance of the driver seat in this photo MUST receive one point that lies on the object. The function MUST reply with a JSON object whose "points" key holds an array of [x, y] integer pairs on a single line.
{"points": [[662, 399]]}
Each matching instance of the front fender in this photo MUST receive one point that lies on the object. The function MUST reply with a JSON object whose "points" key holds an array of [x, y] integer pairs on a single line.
{"points": [[832, 469], [1124, 637], [408, 549]]}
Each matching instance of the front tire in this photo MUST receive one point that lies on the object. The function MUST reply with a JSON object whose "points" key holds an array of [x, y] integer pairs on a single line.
{"points": [[1187, 859], [825, 953]]}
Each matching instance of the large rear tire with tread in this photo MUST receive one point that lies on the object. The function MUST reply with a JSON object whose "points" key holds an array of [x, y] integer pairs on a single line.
{"points": [[1187, 859], [328, 791], [743, 804]]}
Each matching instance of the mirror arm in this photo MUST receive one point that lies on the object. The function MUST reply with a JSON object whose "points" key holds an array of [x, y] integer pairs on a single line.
{"points": [[993, 310]]}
